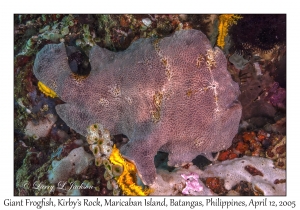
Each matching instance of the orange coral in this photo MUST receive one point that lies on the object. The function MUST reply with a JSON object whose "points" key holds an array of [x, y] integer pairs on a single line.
{"points": [[224, 155], [249, 136], [232, 156], [242, 147], [225, 21], [215, 184], [227, 155], [249, 143], [254, 143], [261, 135]]}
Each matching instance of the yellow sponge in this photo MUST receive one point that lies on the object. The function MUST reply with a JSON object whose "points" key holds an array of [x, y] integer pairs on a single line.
{"points": [[46, 90], [225, 21], [127, 180]]}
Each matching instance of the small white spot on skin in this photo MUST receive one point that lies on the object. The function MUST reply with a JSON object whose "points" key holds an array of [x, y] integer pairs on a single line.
{"points": [[198, 142], [128, 99], [104, 102], [217, 110], [115, 90]]}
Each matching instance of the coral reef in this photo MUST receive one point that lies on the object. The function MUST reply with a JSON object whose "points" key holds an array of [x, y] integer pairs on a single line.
{"points": [[101, 146], [277, 152], [216, 185], [253, 93], [263, 94], [277, 96], [100, 142], [173, 97], [229, 177], [256, 170], [260, 144], [117, 168]]}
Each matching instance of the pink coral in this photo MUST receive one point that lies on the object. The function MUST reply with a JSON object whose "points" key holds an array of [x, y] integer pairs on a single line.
{"points": [[277, 96], [192, 183]]}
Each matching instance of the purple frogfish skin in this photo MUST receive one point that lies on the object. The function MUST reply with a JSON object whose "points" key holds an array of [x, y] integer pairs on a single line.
{"points": [[172, 94]]}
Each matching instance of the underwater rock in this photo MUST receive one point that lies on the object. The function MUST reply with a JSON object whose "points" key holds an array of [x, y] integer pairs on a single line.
{"points": [[242, 169], [75, 163], [173, 95], [223, 177], [238, 61], [42, 128]]}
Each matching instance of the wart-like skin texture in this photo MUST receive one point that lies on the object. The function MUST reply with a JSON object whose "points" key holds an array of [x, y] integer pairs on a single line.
{"points": [[173, 95]]}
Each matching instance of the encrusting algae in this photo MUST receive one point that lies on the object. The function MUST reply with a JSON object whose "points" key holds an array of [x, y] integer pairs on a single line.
{"points": [[46, 90], [225, 21], [127, 180]]}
